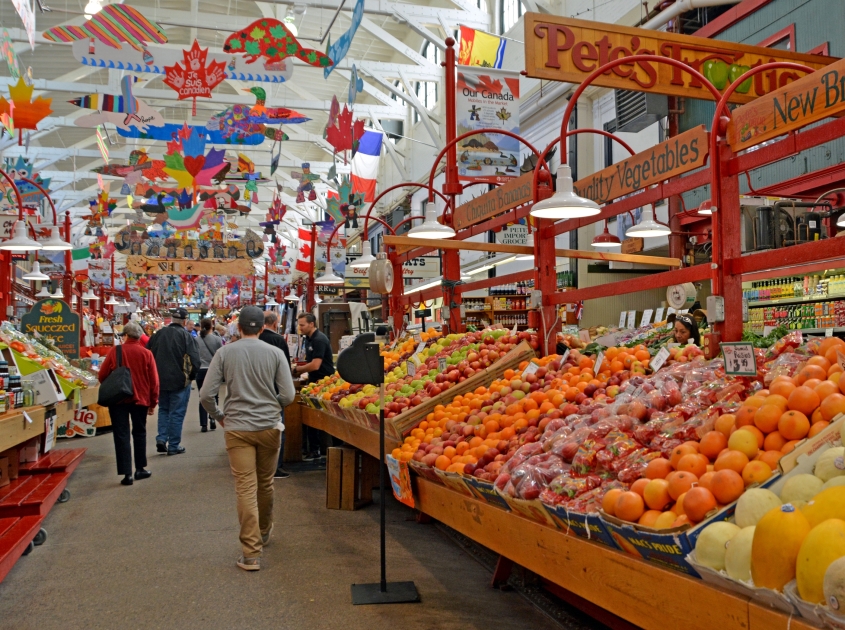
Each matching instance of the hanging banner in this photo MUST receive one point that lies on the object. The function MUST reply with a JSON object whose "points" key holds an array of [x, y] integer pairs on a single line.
{"points": [[421, 268], [24, 9], [278, 279], [186, 266], [566, 49], [55, 319], [487, 98], [807, 100]]}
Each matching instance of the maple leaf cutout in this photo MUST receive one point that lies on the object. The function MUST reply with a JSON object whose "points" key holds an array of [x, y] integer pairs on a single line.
{"points": [[25, 112], [344, 135]]}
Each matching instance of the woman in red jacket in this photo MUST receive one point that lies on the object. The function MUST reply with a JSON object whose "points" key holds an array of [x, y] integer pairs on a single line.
{"points": [[142, 367]]}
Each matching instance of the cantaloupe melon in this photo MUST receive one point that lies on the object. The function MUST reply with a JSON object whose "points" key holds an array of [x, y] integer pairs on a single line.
{"points": [[830, 464], [738, 555], [826, 504], [800, 488], [833, 483], [834, 586], [824, 544], [753, 504], [774, 550], [711, 545]]}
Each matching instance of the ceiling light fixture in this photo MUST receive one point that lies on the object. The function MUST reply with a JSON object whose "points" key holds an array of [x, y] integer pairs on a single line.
{"points": [[706, 207], [430, 228], [58, 294], [648, 226], [606, 239], [271, 301], [43, 293], [329, 277], [564, 204], [92, 8], [20, 242], [111, 301], [366, 257], [55, 242], [89, 295], [35, 274]]}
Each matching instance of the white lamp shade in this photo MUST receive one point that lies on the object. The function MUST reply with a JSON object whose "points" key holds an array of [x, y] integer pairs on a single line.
{"points": [[55, 242], [20, 242], [841, 221], [292, 297], [44, 292], [90, 295], [564, 204], [271, 301], [366, 257], [329, 278], [648, 227], [430, 228], [36, 274], [58, 294], [93, 7], [111, 301]]}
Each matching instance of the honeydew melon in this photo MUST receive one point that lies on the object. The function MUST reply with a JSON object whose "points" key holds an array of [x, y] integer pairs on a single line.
{"points": [[753, 505], [711, 545], [738, 554]]}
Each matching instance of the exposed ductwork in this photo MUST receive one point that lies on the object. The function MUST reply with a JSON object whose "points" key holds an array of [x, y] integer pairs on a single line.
{"points": [[682, 6]]}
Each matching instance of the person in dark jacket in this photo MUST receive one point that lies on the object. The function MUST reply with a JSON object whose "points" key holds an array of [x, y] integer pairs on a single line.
{"points": [[178, 361], [269, 335], [209, 344], [145, 390]]}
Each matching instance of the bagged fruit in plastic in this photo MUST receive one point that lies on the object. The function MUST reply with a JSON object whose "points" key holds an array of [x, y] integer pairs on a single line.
{"points": [[586, 459], [619, 445], [631, 467]]}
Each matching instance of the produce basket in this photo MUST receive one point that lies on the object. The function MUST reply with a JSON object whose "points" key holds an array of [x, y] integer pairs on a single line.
{"points": [[486, 491], [424, 471], [587, 526], [720, 578], [533, 510], [453, 481], [810, 612], [833, 619]]}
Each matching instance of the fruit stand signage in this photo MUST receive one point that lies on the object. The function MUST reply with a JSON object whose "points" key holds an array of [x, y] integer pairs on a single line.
{"points": [[739, 359], [187, 266], [55, 319], [493, 203], [807, 100], [565, 49], [678, 155]]}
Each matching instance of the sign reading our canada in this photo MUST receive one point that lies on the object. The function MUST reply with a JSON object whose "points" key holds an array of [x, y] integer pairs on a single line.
{"points": [[681, 154], [55, 319], [807, 100], [515, 193], [566, 49]]}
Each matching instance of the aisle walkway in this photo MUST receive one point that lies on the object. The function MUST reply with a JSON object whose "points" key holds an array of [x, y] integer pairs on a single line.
{"points": [[161, 554]]}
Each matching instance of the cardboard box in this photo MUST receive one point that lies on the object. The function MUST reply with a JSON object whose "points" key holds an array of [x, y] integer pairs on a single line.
{"points": [[5, 480], [46, 387], [454, 481], [14, 462], [486, 491], [587, 526], [30, 451]]}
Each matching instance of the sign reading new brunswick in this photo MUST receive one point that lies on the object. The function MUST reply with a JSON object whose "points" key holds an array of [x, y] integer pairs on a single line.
{"points": [[55, 319], [807, 100], [565, 49]]}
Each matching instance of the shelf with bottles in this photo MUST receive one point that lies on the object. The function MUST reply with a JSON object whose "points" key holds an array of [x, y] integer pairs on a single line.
{"points": [[796, 289], [565, 280], [476, 305], [513, 289], [509, 321], [819, 315]]}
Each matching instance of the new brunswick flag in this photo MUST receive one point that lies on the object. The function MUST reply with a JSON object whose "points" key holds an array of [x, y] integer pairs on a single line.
{"points": [[481, 49]]}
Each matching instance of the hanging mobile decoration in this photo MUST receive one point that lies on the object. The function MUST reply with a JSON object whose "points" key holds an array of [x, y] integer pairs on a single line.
{"points": [[341, 132], [21, 111], [197, 78]]}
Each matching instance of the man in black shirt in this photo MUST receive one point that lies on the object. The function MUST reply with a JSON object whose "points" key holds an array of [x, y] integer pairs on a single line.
{"points": [[270, 336], [319, 363]]}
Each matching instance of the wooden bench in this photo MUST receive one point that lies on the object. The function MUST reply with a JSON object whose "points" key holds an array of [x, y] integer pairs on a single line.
{"points": [[32, 495], [62, 460], [16, 533]]}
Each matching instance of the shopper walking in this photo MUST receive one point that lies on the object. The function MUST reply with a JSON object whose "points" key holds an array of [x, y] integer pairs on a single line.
{"points": [[209, 344], [318, 363], [142, 368], [259, 385], [178, 362], [271, 336]]}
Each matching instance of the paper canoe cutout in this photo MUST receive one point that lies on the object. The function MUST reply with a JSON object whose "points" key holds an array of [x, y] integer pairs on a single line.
{"points": [[245, 120], [272, 40], [154, 59], [340, 48], [123, 111], [20, 111], [168, 131], [197, 77], [114, 24]]}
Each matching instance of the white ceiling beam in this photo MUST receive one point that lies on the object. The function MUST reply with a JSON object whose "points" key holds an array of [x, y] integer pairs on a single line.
{"points": [[396, 44], [419, 29], [423, 113]]}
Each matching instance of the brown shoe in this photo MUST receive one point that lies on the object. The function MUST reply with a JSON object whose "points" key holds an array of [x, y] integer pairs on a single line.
{"points": [[249, 564]]}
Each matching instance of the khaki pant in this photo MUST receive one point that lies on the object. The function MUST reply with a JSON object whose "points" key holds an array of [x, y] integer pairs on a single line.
{"points": [[253, 456]]}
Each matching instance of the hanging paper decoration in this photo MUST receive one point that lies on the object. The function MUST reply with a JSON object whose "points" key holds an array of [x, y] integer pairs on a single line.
{"points": [[123, 110], [245, 120], [9, 54], [169, 130], [340, 48], [20, 111], [24, 9], [140, 166], [341, 132], [343, 205], [270, 39], [114, 24], [198, 76], [306, 183], [18, 169], [187, 163], [356, 86], [101, 143]]}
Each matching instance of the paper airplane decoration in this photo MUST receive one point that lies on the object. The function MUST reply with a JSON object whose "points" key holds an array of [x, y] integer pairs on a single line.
{"points": [[20, 111], [123, 111], [356, 86], [113, 25], [197, 77], [340, 48], [270, 39]]}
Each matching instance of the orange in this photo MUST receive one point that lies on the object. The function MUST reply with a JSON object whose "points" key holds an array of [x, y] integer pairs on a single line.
{"points": [[771, 458], [766, 418], [745, 442], [756, 472], [629, 506], [821, 361], [775, 399], [757, 433], [678, 452], [727, 485], [682, 520], [794, 425], [745, 415], [678, 508], [758, 400], [804, 399], [706, 479], [656, 494], [817, 428], [817, 416], [831, 342], [834, 373], [442, 462], [826, 388], [694, 463], [812, 382], [608, 502], [832, 406], [731, 460], [713, 442], [681, 482], [725, 424], [789, 446], [774, 441], [783, 388], [649, 518], [697, 503], [639, 486], [657, 468], [810, 371]]}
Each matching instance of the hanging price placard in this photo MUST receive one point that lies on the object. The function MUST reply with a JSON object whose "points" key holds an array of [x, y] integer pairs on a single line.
{"points": [[659, 359], [659, 316], [622, 317], [646, 317], [739, 359], [532, 367]]}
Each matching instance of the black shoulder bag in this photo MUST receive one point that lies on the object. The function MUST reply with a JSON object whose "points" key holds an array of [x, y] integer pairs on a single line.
{"points": [[118, 385]]}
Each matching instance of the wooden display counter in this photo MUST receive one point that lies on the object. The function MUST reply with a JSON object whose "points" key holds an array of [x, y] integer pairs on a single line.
{"points": [[293, 431], [15, 429], [353, 434], [632, 589]]}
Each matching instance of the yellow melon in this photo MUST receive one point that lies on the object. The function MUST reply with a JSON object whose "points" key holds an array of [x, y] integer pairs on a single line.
{"points": [[774, 549], [800, 488], [830, 464], [834, 585], [738, 555], [826, 504], [824, 544], [711, 545], [753, 504]]}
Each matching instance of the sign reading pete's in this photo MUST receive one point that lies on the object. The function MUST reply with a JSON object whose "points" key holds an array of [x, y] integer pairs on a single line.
{"points": [[565, 49]]}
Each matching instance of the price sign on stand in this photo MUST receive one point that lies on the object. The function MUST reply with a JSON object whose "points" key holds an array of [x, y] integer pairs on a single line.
{"points": [[646, 320], [412, 368], [564, 357], [584, 335], [417, 337], [739, 358], [659, 316], [632, 319], [599, 360], [622, 317], [441, 364], [828, 332], [532, 367], [420, 347], [659, 359], [513, 330]]}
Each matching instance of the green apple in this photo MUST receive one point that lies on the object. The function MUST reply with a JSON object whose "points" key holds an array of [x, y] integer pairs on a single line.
{"points": [[736, 71], [716, 71]]}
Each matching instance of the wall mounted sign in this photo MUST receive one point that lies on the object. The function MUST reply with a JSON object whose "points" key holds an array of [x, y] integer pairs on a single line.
{"points": [[422, 268], [513, 235], [54, 318], [807, 100], [184, 266], [566, 49], [675, 156], [491, 204]]}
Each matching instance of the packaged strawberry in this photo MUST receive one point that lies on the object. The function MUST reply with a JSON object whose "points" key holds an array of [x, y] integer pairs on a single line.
{"points": [[585, 460], [619, 446]]}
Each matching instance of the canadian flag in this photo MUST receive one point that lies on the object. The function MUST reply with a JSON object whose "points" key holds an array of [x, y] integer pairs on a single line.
{"points": [[303, 261]]}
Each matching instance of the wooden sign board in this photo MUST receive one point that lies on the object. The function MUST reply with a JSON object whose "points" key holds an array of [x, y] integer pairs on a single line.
{"points": [[566, 49], [807, 100], [185, 266], [675, 156], [632, 245], [54, 318], [493, 203]]}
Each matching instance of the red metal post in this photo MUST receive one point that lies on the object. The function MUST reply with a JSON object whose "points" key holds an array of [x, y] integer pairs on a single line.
{"points": [[452, 188], [68, 277], [309, 297]]}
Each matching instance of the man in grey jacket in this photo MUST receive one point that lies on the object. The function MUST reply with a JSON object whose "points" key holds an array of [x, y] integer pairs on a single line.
{"points": [[253, 372]]}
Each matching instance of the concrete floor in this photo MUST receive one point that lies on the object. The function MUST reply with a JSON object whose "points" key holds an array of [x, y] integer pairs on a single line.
{"points": [[161, 553]]}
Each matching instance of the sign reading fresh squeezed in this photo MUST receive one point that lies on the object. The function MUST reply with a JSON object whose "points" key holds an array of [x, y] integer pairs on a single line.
{"points": [[566, 49], [54, 318]]}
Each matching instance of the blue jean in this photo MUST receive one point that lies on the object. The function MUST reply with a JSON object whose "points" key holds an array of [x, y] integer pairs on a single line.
{"points": [[171, 414]]}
